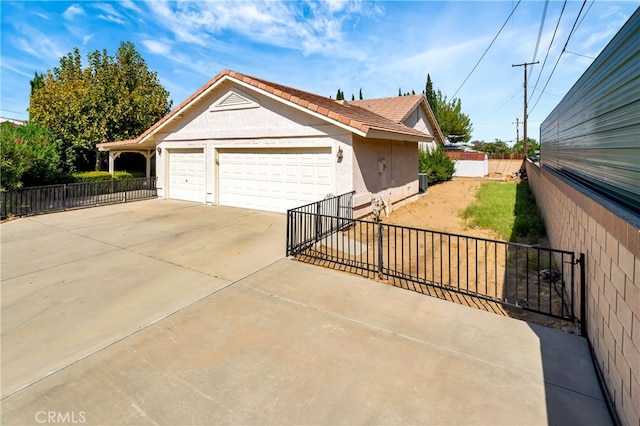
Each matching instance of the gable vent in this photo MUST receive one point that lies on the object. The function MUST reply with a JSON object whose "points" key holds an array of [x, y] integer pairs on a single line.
{"points": [[233, 100]]}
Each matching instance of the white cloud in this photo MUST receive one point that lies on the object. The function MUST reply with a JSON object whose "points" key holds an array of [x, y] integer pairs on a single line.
{"points": [[128, 4], [86, 39], [37, 44], [309, 27], [73, 11], [157, 47], [111, 15]]}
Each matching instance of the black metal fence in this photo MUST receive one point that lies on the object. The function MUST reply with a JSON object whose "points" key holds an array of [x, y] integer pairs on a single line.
{"points": [[52, 198], [530, 277]]}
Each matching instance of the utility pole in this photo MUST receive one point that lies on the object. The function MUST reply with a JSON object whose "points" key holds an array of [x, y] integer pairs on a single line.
{"points": [[524, 141], [517, 123]]}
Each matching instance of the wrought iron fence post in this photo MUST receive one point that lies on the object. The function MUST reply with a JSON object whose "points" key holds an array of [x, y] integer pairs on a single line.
{"points": [[64, 197], [583, 301], [380, 254], [318, 222]]}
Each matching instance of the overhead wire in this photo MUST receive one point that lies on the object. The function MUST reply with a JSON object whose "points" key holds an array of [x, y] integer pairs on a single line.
{"points": [[544, 15], [564, 48], [549, 48], [485, 52]]}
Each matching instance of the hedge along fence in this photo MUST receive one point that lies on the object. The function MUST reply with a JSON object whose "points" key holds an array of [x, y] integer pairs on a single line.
{"points": [[98, 176]]}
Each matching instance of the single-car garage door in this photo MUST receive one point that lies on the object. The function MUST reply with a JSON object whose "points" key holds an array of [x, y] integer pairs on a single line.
{"points": [[187, 175], [274, 179]]}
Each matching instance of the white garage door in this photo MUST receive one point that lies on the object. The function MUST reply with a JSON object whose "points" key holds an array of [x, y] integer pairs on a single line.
{"points": [[274, 179], [187, 175]]}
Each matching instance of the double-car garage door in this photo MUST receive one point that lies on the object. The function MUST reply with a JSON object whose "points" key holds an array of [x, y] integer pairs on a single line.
{"points": [[263, 179]]}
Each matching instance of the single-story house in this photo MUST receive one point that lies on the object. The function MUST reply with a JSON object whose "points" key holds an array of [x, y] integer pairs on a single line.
{"points": [[246, 142]]}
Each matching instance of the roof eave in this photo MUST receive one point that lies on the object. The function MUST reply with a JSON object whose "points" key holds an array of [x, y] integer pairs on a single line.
{"points": [[357, 127], [397, 136]]}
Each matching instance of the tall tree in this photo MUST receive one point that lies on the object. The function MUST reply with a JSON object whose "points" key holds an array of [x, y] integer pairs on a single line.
{"points": [[431, 96], [455, 125], [37, 82], [113, 98], [339, 95], [361, 98]]}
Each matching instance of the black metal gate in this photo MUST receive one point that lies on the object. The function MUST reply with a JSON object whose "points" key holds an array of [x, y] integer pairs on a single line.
{"points": [[534, 278]]}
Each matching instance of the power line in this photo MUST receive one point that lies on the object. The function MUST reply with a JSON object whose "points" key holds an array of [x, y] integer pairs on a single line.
{"points": [[549, 48], [526, 114], [544, 15], [485, 52], [578, 54], [564, 48]]}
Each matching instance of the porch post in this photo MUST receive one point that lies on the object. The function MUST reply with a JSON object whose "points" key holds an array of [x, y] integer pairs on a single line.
{"points": [[148, 156], [112, 162]]}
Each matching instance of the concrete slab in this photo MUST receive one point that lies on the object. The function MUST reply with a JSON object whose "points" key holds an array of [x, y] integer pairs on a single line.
{"points": [[76, 282], [199, 320]]}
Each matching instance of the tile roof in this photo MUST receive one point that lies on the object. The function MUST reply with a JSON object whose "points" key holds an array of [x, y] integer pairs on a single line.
{"points": [[357, 117], [398, 109]]}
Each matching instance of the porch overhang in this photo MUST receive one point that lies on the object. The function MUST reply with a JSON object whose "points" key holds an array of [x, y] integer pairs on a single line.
{"points": [[146, 148]]}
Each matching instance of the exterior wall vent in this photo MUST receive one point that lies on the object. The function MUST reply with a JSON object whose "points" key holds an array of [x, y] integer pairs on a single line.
{"points": [[234, 99]]}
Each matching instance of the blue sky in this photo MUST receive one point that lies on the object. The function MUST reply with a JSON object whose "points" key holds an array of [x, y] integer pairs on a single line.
{"points": [[322, 46]]}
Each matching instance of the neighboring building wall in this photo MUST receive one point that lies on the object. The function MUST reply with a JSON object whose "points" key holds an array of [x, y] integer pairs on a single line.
{"points": [[583, 222], [593, 133], [469, 164], [384, 168]]}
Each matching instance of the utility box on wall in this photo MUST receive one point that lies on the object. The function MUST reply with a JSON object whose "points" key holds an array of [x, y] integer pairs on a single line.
{"points": [[423, 182]]}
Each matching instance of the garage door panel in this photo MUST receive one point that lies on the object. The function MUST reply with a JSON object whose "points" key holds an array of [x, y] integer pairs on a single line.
{"points": [[274, 179], [187, 179]]}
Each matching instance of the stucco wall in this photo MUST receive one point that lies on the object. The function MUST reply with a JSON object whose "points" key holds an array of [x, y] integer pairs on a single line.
{"points": [[267, 123], [581, 221], [396, 181]]}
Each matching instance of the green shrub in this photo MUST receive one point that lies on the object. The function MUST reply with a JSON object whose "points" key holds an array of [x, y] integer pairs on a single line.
{"points": [[100, 176], [436, 164], [28, 156]]}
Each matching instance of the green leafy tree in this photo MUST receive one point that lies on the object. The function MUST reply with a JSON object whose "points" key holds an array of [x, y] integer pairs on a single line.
{"points": [[497, 147], [360, 96], [436, 164], [339, 95], [455, 125], [28, 156], [113, 98], [532, 147]]}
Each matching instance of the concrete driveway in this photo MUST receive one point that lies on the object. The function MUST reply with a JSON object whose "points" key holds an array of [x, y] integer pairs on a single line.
{"points": [[164, 312]]}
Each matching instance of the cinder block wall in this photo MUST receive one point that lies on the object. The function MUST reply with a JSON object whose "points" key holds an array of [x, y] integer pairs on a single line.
{"points": [[610, 239]]}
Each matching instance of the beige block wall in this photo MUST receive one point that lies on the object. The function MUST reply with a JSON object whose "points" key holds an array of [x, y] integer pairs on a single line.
{"points": [[610, 239]]}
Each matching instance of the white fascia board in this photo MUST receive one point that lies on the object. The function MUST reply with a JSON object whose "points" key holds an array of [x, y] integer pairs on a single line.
{"points": [[301, 108], [381, 134], [189, 105]]}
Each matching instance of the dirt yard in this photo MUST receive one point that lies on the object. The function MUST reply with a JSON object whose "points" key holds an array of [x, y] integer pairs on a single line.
{"points": [[439, 208]]}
